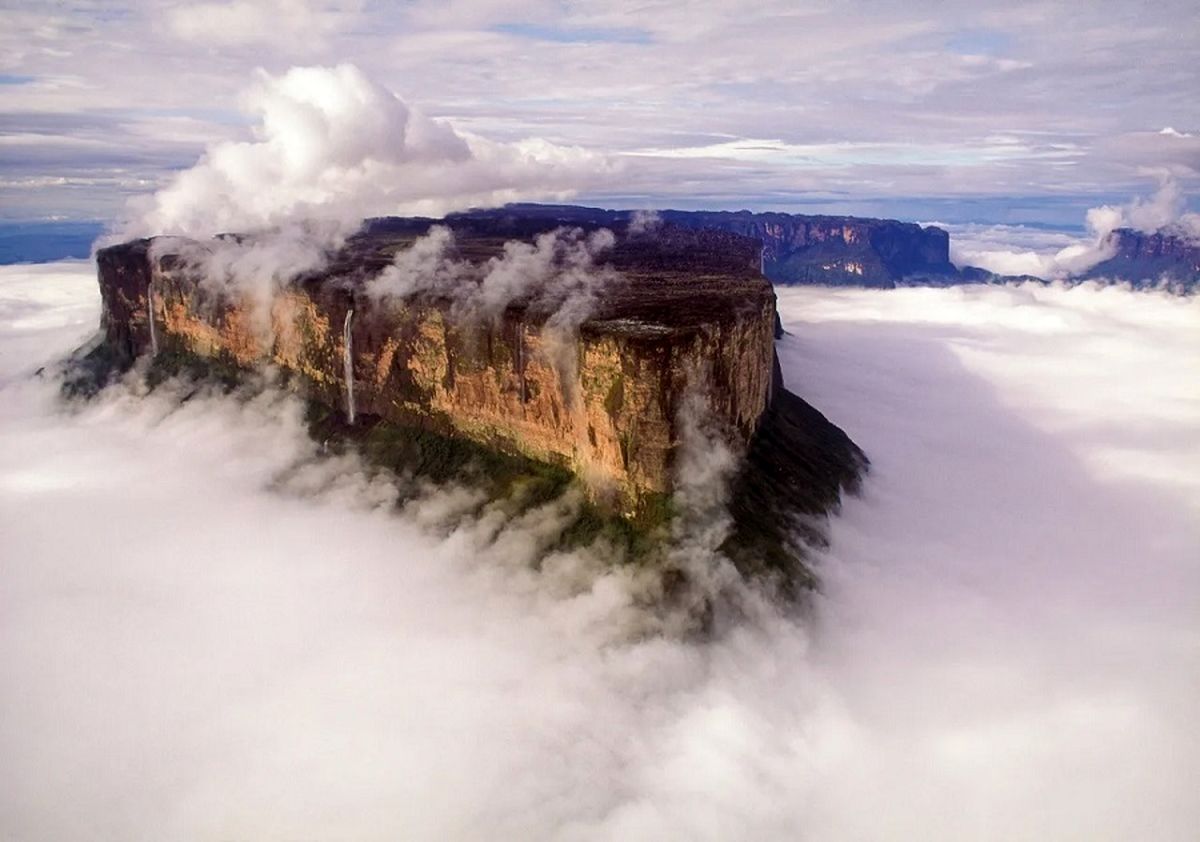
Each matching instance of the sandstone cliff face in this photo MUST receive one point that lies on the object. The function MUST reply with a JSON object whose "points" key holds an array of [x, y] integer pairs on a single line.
{"points": [[689, 312]]}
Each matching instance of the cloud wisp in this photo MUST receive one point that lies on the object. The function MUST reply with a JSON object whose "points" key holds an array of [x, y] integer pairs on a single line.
{"points": [[282, 25], [559, 272]]}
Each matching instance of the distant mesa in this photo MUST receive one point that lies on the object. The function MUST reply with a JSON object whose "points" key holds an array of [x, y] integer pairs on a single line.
{"points": [[885, 253], [1150, 259]]}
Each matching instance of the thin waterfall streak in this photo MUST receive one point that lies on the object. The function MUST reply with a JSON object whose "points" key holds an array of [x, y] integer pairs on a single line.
{"points": [[348, 363], [521, 359], [150, 318]]}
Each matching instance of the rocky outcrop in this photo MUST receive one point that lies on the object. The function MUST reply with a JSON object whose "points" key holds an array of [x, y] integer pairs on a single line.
{"points": [[1164, 257]]}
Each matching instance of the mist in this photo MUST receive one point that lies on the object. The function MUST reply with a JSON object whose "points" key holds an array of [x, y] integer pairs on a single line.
{"points": [[561, 271], [209, 630], [1057, 255]]}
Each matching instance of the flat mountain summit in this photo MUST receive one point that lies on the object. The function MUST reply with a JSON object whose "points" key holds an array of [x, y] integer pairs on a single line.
{"points": [[606, 357]]}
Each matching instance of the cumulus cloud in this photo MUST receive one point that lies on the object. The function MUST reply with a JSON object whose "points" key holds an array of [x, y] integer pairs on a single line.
{"points": [[332, 144], [1165, 210], [333, 147], [207, 631]]}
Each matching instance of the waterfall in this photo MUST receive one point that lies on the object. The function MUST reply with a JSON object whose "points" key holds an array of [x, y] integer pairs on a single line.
{"points": [[521, 358], [348, 364], [150, 318]]}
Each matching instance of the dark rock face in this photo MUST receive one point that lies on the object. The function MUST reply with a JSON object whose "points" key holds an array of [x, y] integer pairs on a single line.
{"points": [[796, 468], [124, 279], [796, 249], [1150, 259]]}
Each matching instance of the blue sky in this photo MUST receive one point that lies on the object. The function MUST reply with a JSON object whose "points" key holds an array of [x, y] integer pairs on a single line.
{"points": [[955, 111]]}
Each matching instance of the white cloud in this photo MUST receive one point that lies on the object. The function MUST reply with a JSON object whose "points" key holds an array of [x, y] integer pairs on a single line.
{"points": [[1014, 250], [558, 269], [332, 144], [1164, 210]]}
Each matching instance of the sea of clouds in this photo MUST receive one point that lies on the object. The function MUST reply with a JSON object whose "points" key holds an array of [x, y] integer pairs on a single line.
{"points": [[207, 630]]}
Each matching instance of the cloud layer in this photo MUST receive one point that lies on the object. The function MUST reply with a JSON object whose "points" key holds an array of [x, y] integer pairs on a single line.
{"points": [[207, 632]]}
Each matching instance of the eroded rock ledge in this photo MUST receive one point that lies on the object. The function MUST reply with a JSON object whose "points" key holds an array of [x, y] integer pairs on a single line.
{"points": [[681, 313]]}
